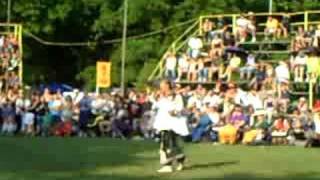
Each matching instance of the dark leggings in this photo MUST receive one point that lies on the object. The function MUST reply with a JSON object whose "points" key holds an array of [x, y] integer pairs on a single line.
{"points": [[170, 144]]}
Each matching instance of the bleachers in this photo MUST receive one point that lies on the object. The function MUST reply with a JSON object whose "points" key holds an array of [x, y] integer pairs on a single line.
{"points": [[269, 51], [11, 53]]}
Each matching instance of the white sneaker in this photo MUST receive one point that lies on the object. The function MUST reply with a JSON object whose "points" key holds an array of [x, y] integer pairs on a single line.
{"points": [[165, 169], [163, 157], [180, 167]]}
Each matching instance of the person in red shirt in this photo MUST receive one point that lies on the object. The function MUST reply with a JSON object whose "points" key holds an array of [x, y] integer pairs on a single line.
{"points": [[280, 130]]}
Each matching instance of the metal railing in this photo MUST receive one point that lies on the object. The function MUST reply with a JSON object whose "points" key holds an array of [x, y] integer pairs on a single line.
{"points": [[174, 47]]}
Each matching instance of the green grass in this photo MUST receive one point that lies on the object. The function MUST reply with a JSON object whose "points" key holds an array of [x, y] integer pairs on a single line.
{"points": [[90, 159]]}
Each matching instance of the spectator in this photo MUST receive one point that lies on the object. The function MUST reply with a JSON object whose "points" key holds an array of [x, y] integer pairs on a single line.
{"points": [[9, 124], [202, 125], [269, 106], [272, 28], [171, 63], [183, 66], [248, 70], [202, 71], [195, 45], [299, 67], [242, 24], [236, 120], [207, 28], [217, 47], [85, 113], [192, 74], [282, 75], [284, 25], [280, 130], [233, 66], [258, 131]]}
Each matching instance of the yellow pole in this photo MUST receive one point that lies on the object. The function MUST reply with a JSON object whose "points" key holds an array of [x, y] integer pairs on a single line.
{"points": [[306, 20], [310, 94], [21, 54], [234, 19], [161, 69], [16, 31], [200, 25]]}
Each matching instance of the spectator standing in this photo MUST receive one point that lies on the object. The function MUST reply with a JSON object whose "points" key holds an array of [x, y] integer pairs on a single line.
{"points": [[85, 113]]}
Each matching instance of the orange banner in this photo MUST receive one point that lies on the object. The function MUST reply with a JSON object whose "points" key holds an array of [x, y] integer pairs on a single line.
{"points": [[103, 74]]}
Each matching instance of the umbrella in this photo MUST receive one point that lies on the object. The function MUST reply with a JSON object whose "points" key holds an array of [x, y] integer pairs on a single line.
{"points": [[238, 51]]}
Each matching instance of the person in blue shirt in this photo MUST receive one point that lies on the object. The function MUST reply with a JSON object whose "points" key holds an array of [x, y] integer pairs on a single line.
{"points": [[85, 113]]}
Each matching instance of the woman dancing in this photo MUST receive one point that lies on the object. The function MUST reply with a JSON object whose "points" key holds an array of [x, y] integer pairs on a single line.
{"points": [[170, 123]]}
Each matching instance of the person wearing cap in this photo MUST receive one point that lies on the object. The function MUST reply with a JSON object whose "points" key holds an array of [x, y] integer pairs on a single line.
{"points": [[167, 110]]}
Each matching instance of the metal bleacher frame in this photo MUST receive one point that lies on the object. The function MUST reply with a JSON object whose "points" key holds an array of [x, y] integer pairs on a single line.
{"points": [[16, 30], [196, 29]]}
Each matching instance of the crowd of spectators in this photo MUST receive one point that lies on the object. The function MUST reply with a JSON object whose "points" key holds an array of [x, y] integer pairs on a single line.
{"points": [[263, 108], [226, 114], [219, 54], [258, 111], [9, 62]]}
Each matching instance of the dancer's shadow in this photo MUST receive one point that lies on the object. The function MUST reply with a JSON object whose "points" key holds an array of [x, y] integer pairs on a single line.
{"points": [[211, 165]]}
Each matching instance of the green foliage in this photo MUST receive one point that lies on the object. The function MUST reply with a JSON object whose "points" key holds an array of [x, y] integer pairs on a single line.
{"points": [[88, 75], [111, 159], [139, 53], [90, 20]]}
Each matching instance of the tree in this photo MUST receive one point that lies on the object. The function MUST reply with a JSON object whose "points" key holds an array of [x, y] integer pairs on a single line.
{"points": [[98, 20]]}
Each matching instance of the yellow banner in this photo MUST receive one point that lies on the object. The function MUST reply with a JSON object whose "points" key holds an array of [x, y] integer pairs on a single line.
{"points": [[103, 74]]}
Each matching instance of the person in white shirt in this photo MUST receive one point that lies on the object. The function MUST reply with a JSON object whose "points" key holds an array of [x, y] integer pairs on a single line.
{"points": [[170, 66], [282, 76], [249, 69], [195, 44], [299, 66], [254, 100], [168, 108], [282, 72], [183, 66], [244, 26], [213, 99]]}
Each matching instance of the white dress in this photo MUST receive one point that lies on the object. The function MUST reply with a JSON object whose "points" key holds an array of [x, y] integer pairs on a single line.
{"points": [[165, 121], [179, 123]]}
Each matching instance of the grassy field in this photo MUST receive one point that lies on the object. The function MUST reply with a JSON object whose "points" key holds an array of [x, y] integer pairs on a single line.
{"points": [[91, 159]]}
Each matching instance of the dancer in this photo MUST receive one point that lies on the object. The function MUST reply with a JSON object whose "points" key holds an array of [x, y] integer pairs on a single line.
{"points": [[170, 123]]}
